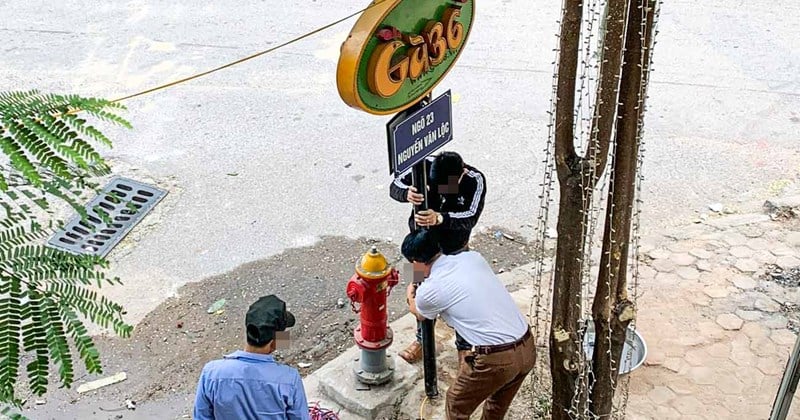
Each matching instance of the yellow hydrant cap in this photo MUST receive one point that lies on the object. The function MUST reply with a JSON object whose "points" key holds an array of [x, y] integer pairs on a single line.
{"points": [[373, 265]]}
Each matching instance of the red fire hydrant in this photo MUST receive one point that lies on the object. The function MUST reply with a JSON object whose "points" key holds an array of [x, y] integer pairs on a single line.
{"points": [[368, 290]]}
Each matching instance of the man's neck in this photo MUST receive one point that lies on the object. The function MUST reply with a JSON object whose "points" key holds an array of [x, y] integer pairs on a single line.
{"points": [[432, 262], [266, 350]]}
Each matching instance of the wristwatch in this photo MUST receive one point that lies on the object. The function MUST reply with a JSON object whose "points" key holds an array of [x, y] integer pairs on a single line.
{"points": [[439, 218]]}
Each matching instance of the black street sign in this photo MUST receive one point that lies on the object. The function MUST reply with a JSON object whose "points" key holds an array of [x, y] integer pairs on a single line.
{"points": [[417, 133]]}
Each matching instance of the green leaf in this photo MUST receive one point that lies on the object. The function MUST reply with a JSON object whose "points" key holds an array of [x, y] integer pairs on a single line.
{"points": [[7, 411], [80, 337], [49, 152], [19, 160], [10, 326], [57, 343], [43, 140]]}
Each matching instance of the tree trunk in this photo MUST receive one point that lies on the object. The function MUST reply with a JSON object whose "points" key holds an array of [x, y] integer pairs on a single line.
{"points": [[607, 88], [566, 158], [564, 351], [566, 289], [612, 310], [577, 179]]}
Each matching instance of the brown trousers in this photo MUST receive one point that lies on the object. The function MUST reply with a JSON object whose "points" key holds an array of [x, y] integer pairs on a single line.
{"points": [[494, 378]]}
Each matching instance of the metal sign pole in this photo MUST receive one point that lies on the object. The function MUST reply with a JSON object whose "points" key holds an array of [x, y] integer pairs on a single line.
{"points": [[788, 385], [412, 136], [420, 181]]}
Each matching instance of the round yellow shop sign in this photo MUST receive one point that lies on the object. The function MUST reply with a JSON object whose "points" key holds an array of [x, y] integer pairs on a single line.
{"points": [[399, 50]]}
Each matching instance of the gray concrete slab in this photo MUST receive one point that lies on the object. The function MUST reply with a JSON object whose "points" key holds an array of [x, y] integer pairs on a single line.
{"points": [[404, 330]]}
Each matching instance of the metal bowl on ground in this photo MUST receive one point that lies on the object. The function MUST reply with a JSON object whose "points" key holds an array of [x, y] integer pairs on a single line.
{"points": [[634, 352]]}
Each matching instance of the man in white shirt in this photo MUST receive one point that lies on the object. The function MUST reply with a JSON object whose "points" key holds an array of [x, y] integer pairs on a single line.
{"points": [[464, 291]]}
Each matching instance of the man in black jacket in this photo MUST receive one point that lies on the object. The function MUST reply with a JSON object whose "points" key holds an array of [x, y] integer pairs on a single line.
{"points": [[455, 200]]}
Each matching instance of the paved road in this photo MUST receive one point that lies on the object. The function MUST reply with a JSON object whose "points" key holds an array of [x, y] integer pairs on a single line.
{"points": [[722, 126]]}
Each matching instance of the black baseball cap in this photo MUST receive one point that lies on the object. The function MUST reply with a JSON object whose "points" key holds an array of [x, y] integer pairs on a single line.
{"points": [[267, 315]]}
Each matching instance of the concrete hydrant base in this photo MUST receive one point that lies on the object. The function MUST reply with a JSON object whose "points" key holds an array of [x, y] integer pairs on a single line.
{"points": [[339, 383], [385, 373]]}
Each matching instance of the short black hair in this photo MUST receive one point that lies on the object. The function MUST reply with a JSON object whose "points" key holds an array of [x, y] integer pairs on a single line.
{"points": [[446, 164], [422, 245], [257, 343]]}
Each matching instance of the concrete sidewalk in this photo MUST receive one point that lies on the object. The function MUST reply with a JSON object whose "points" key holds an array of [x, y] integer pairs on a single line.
{"points": [[718, 335]]}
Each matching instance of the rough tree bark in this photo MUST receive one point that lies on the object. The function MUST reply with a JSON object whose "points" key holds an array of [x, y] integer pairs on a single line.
{"points": [[612, 310], [608, 87], [563, 351], [577, 178]]}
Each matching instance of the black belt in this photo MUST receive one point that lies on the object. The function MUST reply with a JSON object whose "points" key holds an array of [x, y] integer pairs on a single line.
{"points": [[501, 347]]}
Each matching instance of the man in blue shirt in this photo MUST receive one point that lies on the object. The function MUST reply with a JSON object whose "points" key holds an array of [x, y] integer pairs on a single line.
{"points": [[249, 384]]}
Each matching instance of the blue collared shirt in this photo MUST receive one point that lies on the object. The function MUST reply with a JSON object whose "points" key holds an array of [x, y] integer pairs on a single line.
{"points": [[250, 386]]}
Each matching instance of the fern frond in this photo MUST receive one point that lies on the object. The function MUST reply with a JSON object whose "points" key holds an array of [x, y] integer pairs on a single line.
{"points": [[57, 343], [45, 139], [102, 114], [47, 147], [97, 308], [34, 338], [10, 328], [19, 160], [80, 336], [44, 145], [44, 300], [66, 196], [13, 233], [79, 124], [35, 198], [44, 293], [8, 413], [38, 264]]}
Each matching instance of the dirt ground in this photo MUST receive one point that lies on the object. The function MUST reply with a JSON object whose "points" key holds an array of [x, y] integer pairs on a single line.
{"points": [[169, 347], [533, 399]]}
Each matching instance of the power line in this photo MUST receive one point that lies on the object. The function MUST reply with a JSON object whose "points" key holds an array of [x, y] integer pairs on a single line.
{"points": [[249, 57]]}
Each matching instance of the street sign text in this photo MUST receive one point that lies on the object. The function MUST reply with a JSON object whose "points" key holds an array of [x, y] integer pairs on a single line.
{"points": [[415, 136]]}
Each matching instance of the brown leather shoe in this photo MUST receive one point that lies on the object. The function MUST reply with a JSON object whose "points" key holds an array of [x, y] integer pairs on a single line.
{"points": [[412, 353]]}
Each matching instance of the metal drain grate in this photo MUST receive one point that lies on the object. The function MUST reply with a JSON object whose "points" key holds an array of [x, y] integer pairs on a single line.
{"points": [[125, 201]]}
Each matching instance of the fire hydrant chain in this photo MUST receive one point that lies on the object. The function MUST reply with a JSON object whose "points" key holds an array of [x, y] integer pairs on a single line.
{"points": [[354, 307]]}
